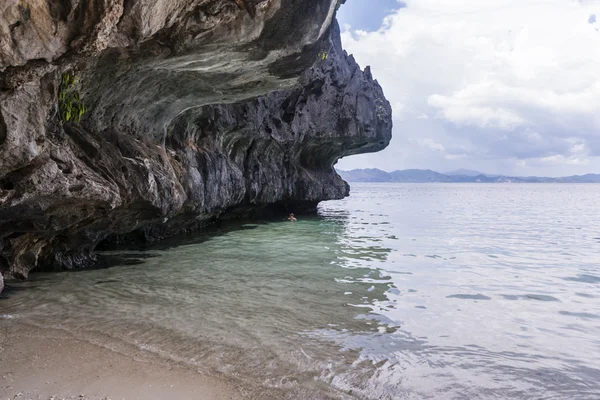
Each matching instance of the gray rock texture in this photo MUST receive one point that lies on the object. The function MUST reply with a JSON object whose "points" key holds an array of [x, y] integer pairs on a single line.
{"points": [[197, 110]]}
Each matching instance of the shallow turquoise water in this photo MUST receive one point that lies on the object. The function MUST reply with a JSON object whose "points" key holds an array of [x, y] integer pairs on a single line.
{"points": [[400, 291]]}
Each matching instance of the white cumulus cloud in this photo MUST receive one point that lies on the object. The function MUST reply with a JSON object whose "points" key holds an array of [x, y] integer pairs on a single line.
{"points": [[508, 80]]}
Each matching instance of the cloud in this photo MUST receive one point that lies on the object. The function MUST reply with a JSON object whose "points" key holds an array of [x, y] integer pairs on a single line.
{"points": [[557, 159], [507, 80], [432, 145], [464, 109]]}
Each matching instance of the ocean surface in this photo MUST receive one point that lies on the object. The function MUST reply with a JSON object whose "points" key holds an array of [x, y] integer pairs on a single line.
{"points": [[401, 291]]}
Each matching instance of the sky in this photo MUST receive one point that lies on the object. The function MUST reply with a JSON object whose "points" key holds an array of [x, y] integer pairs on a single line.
{"points": [[499, 86]]}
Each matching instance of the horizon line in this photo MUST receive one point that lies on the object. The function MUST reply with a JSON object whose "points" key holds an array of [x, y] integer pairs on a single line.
{"points": [[479, 173]]}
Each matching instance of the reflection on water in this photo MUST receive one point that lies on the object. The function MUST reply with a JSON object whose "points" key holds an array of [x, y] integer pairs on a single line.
{"points": [[400, 291]]}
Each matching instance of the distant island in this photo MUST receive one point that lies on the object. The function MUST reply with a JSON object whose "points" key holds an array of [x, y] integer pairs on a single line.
{"points": [[427, 175]]}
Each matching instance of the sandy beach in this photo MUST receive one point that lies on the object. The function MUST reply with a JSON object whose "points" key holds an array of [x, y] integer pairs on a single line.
{"points": [[43, 364]]}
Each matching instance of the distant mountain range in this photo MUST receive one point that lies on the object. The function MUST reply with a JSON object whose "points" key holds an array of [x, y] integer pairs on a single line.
{"points": [[427, 175], [466, 172]]}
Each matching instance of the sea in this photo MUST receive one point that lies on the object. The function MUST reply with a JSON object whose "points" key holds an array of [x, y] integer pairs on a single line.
{"points": [[400, 291]]}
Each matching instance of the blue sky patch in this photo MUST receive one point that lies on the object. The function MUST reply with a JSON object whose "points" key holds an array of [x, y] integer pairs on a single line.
{"points": [[367, 15]]}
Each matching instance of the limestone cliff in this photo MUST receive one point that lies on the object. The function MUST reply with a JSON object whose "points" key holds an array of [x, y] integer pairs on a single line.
{"points": [[195, 110]]}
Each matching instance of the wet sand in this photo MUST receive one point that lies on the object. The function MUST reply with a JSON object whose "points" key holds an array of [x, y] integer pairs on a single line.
{"points": [[43, 364]]}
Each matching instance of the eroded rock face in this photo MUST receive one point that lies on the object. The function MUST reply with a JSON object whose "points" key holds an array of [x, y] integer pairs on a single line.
{"points": [[175, 136]]}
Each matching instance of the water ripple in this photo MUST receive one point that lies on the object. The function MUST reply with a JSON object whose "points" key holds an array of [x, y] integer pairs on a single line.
{"points": [[398, 292]]}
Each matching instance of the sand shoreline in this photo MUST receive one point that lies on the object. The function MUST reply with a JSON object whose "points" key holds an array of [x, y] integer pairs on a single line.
{"points": [[37, 363]]}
